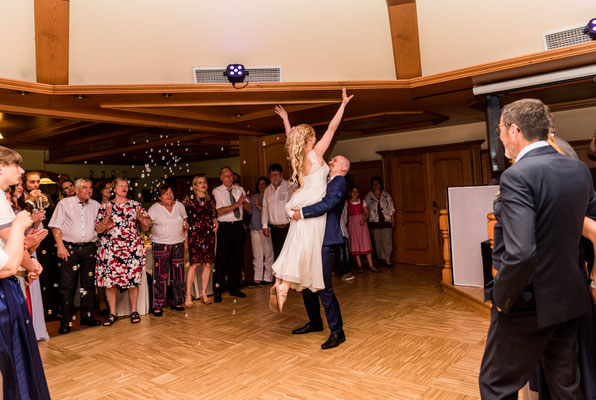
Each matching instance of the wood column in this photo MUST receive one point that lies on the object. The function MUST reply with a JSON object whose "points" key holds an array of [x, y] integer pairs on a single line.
{"points": [[403, 20], [250, 162], [51, 41]]}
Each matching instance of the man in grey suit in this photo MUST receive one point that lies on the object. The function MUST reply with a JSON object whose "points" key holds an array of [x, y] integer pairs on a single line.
{"points": [[538, 292]]}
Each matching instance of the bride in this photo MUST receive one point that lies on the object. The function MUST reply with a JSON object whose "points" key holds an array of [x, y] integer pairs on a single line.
{"points": [[299, 265]]}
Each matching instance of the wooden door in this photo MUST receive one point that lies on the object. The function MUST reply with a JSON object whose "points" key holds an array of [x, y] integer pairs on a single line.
{"points": [[447, 168], [409, 177]]}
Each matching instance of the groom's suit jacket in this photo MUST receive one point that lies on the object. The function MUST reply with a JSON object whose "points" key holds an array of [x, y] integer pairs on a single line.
{"points": [[544, 198], [333, 205]]}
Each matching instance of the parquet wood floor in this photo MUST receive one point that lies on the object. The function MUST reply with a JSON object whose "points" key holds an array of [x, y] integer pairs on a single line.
{"points": [[405, 340]]}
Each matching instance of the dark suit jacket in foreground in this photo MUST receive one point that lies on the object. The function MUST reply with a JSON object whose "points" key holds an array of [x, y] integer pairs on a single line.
{"points": [[333, 205], [543, 200]]}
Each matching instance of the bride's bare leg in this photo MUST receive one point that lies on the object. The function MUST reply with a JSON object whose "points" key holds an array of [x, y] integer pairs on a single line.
{"points": [[282, 293]]}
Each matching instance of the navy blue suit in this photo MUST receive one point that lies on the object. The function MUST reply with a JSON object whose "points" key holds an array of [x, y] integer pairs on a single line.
{"points": [[332, 204]]}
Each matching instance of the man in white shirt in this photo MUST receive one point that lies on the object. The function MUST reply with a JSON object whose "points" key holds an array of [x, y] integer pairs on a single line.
{"points": [[73, 227], [273, 216], [229, 200]]}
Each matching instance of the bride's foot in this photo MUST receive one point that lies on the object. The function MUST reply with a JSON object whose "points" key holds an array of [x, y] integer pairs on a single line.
{"points": [[273, 306], [204, 298], [281, 297], [188, 302]]}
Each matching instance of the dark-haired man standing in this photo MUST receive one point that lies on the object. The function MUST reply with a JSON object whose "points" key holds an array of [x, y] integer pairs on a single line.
{"points": [[538, 292]]}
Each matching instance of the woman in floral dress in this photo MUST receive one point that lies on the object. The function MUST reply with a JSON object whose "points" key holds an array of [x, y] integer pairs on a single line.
{"points": [[121, 252], [202, 225]]}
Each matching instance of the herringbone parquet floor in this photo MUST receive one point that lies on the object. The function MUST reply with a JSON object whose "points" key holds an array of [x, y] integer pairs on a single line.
{"points": [[405, 340]]}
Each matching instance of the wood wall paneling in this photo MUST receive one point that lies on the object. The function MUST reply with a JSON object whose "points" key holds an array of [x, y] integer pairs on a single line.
{"points": [[403, 20], [51, 41]]}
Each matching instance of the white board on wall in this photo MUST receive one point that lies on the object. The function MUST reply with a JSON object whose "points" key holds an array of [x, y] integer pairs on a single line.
{"points": [[468, 207]]}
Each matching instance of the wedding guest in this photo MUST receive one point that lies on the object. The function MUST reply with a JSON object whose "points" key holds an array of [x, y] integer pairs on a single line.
{"points": [[262, 247], [67, 189], [229, 200], [73, 227], [381, 220], [359, 240], [31, 290], [168, 244], [274, 218], [202, 226], [32, 192], [343, 252], [102, 193], [121, 252], [21, 367]]}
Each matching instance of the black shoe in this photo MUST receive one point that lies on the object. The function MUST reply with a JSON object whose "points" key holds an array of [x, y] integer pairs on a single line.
{"points": [[158, 313], [308, 328], [64, 328], [217, 298], [177, 308], [90, 321], [334, 341], [252, 284], [237, 293]]}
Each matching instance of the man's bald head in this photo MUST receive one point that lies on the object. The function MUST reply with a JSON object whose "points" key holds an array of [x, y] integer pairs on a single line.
{"points": [[339, 165]]}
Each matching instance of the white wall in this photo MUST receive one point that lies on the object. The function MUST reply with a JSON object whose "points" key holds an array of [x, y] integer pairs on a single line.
{"points": [[154, 41], [17, 40], [571, 125], [461, 33]]}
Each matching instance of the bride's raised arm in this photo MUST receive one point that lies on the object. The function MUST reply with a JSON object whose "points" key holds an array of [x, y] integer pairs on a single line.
{"points": [[279, 110], [323, 144]]}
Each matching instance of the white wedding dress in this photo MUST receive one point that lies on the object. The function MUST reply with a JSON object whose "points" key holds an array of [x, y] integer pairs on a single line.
{"points": [[300, 259]]}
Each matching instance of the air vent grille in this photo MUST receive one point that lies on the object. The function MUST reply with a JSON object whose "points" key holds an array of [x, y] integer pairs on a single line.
{"points": [[565, 37], [255, 74]]}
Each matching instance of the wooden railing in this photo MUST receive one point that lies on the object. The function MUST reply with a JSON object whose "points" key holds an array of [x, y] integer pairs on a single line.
{"points": [[444, 227]]}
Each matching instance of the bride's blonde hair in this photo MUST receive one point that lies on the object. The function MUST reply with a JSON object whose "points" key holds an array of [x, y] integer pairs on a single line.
{"points": [[296, 144]]}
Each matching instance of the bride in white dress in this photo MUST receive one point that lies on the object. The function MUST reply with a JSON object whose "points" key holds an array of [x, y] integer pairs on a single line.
{"points": [[299, 265]]}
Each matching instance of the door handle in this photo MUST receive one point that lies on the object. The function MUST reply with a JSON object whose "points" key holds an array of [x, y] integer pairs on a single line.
{"points": [[435, 207]]}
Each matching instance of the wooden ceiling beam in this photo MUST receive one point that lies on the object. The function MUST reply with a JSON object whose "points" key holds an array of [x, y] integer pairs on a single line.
{"points": [[105, 135], [54, 128], [132, 147], [403, 22], [51, 40]]}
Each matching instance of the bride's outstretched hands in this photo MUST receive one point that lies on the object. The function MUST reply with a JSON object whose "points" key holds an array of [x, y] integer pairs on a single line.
{"points": [[344, 97], [279, 110]]}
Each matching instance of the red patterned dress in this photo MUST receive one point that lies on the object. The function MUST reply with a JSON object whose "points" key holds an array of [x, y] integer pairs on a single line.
{"points": [[121, 252], [201, 238]]}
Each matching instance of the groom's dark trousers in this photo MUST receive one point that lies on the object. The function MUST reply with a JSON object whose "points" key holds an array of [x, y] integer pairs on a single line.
{"points": [[332, 204]]}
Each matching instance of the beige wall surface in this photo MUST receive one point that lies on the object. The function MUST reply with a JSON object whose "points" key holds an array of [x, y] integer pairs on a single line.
{"points": [[17, 40], [154, 41], [571, 125], [462, 33]]}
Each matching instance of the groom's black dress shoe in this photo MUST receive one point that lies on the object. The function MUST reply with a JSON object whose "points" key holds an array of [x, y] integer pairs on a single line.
{"points": [[307, 329], [334, 341]]}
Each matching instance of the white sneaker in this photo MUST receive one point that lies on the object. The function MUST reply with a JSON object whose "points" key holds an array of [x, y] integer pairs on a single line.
{"points": [[347, 277]]}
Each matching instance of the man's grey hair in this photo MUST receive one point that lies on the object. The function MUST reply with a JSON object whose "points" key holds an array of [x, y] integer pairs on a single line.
{"points": [[531, 116], [80, 181], [222, 169]]}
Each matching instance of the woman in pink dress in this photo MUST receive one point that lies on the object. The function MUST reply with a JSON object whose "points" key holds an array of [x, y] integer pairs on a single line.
{"points": [[359, 239]]}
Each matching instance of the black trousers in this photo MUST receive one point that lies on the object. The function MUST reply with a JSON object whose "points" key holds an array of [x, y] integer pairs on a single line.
{"points": [[327, 295], [278, 237], [229, 255], [514, 347], [80, 265]]}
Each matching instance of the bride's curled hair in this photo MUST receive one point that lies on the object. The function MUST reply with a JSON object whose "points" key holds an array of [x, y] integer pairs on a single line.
{"points": [[296, 143]]}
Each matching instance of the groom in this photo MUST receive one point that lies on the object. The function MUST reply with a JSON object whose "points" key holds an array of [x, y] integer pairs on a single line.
{"points": [[332, 204]]}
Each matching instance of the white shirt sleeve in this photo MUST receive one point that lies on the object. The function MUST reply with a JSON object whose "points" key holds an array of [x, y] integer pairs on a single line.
{"points": [[219, 200], [58, 216], [265, 209]]}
